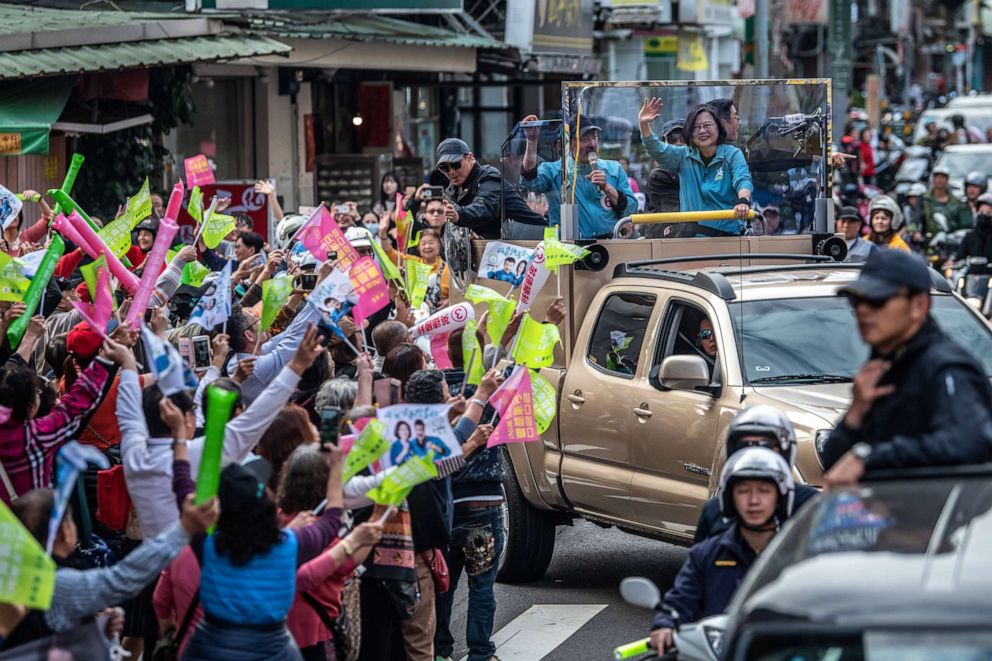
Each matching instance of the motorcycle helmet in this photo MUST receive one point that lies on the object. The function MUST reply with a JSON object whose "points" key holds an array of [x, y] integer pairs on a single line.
{"points": [[917, 190], [358, 237], [288, 227], [984, 198], [941, 169], [887, 204], [766, 421], [976, 178], [150, 224], [757, 464]]}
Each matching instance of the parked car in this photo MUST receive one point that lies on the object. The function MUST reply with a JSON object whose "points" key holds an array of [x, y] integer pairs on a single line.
{"points": [[894, 569]]}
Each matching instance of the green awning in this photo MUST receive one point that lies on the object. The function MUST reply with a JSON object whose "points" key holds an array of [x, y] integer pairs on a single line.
{"points": [[28, 108], [131, 54]]}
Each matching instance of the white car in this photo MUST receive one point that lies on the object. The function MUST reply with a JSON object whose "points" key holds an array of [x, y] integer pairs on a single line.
{"points": [[962, 159], [978, 117]]}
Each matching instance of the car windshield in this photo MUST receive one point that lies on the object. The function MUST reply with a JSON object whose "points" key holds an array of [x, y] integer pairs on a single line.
{"points": [[960, 163], [954, 645], [783, 341]]}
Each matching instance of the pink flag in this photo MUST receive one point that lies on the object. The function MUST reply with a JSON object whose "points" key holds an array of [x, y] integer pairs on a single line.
{"points": [[198, 171], [370, 287], [514, 401], [439, 349], [321, 235], [98, 314]]}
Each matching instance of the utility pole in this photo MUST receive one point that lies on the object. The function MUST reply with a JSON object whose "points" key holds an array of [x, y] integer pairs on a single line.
{"points": [[841, 56], [761, 39]]}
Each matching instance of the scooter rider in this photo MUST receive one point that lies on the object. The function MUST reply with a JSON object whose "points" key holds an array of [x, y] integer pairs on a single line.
{"points": [[978, 242], [921, 399], [756, 487], [975, 184], [758, 426], [885, 221]]}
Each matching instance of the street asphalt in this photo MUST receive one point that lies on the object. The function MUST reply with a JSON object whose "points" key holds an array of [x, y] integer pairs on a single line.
{"points": [[588, 564]]}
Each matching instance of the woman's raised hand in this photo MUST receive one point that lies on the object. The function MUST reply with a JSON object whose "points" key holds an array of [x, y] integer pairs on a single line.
{"points": [[650, 111]]}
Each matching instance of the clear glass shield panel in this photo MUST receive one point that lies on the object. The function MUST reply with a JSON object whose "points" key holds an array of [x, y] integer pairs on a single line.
{"points": [[774, 142], [530, 149]]}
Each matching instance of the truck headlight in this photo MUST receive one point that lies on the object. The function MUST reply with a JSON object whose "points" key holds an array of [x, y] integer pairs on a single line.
{"points": [[819, 442], [714, 637]]}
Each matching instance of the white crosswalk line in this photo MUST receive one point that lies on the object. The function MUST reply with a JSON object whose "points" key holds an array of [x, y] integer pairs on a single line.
{"points": [[540, 629]]}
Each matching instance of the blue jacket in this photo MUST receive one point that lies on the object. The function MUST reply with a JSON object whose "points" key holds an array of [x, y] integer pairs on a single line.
{"points": [[596, 215], [708, 579], [712, 187], [260, 592]]}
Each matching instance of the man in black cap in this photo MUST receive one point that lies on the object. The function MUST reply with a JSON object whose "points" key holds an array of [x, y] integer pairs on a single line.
{"points": [[849, 223], [663, 189], [921, 400], [476, 197], [602, 189]]}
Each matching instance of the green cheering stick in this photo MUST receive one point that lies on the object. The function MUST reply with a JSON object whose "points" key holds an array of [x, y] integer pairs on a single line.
{"points": [[220, 404], [632, 649], [36, 290], [69, 181], [68, 205]]}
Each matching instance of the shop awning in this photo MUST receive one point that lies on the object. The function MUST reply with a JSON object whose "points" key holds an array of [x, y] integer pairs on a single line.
{"points": [[126, 55], [27, 111]]}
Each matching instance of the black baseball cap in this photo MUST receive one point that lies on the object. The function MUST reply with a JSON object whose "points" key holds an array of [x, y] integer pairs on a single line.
{"points": [[886, 272], [850, 212], [451, 149], [585, 126], [672, 125], [241, 485]]}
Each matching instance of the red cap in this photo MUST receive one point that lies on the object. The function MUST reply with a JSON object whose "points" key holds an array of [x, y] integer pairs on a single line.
{"points": [[83, 293], [83, 341]]}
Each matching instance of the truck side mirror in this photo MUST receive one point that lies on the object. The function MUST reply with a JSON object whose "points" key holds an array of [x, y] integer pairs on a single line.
{"points": [[684, 372]]}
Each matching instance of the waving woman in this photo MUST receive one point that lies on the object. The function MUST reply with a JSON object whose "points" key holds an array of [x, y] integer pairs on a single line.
{"points": [[713, 175]]}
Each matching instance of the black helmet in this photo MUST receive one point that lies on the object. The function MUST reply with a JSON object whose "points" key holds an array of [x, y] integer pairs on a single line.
{"points": [[767, 421], [757, 464], [976, 178], [150, 224]]}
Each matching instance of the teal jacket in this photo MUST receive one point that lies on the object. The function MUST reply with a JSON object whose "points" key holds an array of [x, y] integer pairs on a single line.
{"points": [[597, 216], [712, 187]]}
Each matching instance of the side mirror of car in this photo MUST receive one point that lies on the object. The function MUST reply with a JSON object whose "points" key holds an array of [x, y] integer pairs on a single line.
{"points": [[684, 372], [640, 591]]}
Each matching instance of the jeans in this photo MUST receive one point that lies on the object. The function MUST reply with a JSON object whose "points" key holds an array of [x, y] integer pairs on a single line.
{"points": [[476, 544]]}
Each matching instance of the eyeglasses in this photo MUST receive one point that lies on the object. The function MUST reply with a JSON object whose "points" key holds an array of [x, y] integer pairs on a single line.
{"points": [[709, 126], [450, 167], [705, 334], [874, 303]]}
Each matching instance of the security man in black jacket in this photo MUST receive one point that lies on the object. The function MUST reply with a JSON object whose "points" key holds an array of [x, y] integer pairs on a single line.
{"points": [[476, 194], [978, 242], [921, 400]]}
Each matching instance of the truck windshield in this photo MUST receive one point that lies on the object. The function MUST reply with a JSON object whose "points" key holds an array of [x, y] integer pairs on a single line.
{"points": [[809, 340]]}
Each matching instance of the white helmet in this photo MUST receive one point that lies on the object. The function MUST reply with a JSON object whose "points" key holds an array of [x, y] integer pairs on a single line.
{"points": [[757, 464], [358, 237], [767, 421], [887, 204], [287, 228], [918, 189]]}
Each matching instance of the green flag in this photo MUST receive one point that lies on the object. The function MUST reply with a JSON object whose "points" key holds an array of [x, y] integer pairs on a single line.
{"points": [[139, 205], [215, 227], [417, 274], [195, 206], [535, 345], [545, 401], [194, 273], [388, 266], [117, 235], [28, 572], [91, 274], [274, 294], [501, 309], [558, 254], [13, 284], [472, 354], [369, 446], [397, 485]]}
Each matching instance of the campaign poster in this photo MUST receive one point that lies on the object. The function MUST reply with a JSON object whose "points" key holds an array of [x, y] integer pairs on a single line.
{"points": [[333, 292], [416, 429], [505, 262], [10, 206]]}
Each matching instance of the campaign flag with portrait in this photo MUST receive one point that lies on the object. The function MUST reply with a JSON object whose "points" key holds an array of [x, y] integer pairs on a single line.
{"points": [[214, 306], [416, 429], [505, 262]]}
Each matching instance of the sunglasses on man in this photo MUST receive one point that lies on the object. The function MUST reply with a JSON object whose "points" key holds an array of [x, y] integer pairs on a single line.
{"points": [[450, 166], [874, 303], [705, 334]]}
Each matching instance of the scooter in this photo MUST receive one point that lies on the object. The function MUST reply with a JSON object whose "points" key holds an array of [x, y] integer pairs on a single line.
{"points": [[971, 280], [698, 641]]}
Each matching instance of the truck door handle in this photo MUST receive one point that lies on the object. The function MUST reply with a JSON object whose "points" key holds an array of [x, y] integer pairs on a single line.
{"points": [[577, 398], [642, 411]]}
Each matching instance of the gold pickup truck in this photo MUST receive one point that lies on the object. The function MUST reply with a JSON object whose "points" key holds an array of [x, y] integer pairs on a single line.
{"points": [[644, 392]]}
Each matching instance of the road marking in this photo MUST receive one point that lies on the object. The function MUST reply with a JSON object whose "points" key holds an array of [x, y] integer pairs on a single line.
{"points": [[540, 629]]}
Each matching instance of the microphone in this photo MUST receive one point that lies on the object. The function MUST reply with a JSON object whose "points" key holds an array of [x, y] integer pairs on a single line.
{"points": [[593, 158]]}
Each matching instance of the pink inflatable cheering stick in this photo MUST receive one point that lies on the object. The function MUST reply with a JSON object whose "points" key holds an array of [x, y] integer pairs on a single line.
{"points": [[125, 277], [156, 257], [68, 230]]}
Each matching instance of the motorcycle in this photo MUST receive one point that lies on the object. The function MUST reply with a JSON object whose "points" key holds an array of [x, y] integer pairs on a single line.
{"points": [[971, 281], [698, 641], [944, 244]]}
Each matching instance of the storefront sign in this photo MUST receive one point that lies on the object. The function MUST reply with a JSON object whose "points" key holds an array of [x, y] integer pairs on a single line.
{"points": [[244, 199], [805, 11], [10, 144], [564, 26]]}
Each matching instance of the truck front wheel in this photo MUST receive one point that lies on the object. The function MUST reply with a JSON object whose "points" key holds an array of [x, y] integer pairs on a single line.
{"points": [[530, 535]]}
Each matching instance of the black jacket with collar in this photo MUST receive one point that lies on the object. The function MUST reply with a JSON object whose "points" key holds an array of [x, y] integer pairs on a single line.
{"points": [[938, 415], [481, 200]]}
